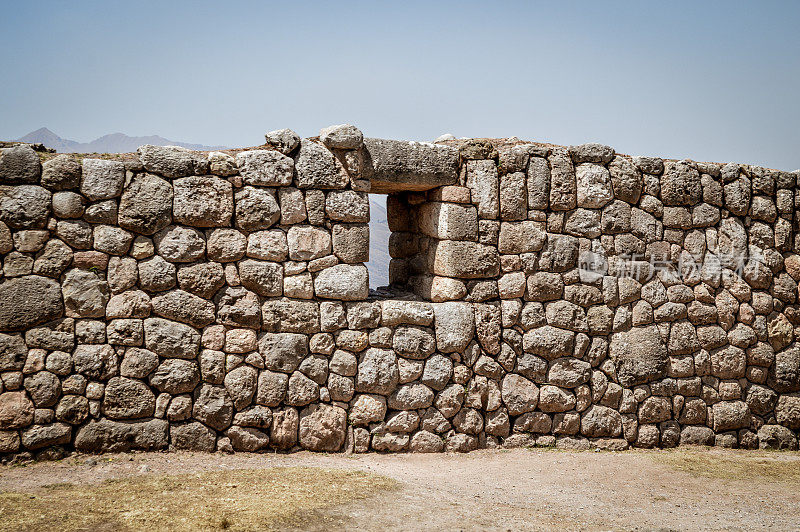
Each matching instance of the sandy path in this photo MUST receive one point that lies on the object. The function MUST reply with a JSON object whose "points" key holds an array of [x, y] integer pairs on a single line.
{"points": [[494, 490]]}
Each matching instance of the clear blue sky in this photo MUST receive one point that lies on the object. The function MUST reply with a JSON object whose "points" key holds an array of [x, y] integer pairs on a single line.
{"points": [[705, 80]]}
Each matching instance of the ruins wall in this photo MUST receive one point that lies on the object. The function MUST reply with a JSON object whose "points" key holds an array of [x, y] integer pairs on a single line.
{"points": [[541, 295]]}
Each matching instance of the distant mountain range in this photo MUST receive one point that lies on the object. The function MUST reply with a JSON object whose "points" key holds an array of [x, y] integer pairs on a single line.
{"points": [[113, 143]]}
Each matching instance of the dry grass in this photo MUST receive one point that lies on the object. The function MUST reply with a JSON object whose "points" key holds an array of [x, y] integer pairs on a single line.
{"points": [[735, 465], [262, 499]]}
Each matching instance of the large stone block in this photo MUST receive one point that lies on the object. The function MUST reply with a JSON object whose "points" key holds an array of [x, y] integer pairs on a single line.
{"points": [[454, 326], [348, 282], [146, 205], [102, 179], [19, 164], [593, 186], [169, 161], [377, 372], [24, 206], [323, 428], [128, 399], [85, 294], [680, 184], [484, 185], [283, 351], [29, 301], [171, 339], [448, 221], [307, 242], [203, 201], [316, 167], [464, 259], [176, 376], [266, 168], [256, 208], [287, 315], [110, 436], [521, 237], [639, 354], [262, 277], [549, 342], [396, 165]]}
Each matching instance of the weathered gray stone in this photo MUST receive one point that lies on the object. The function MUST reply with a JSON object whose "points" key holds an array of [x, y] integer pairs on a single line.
{"points": [[377, 372], [316, 167], [307, 242], [639, 354], [262, 277], [98, 362], [593, 186], [266, 168], [519, 394], [680, 184], [180, 244], [601, 422], [343, 281], [591, 152], [347, 206], [146, 205], [213, 406], [19, 164], [549, 342], [138, 363], [283, 351], [239, 307], [24, 206], [730, 415], [102, 179], [184, 307], [156, 274], [464, 259], [170, 161], [62, 172], [256, 208], [202, 279], [342, 137], [128, 399], [283, 140], [106, 435], [72, 409], [171, 339], [411, 397], [285, 315], [241, 385], [192, 436], [226, 245], [203, 201], [13, 352], [68, 204], [29, 301], [394, 165], [322, 428], [569, 372], [455, 326]]}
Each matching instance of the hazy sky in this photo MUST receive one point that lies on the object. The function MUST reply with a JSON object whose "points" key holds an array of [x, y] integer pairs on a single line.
{"points": [[705, 80]]}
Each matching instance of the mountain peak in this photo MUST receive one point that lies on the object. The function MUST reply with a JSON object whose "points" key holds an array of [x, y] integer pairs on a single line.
{"points": [[111, 143]]}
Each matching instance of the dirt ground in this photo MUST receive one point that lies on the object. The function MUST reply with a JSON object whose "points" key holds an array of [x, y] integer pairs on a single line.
{"points": [[521, 489]]}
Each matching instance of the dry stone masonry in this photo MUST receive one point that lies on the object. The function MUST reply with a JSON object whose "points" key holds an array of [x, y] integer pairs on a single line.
{"points": [[541, 295]]}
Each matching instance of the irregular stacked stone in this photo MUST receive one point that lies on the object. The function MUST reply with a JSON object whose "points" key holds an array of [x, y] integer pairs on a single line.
{"points": [[219, 301]]}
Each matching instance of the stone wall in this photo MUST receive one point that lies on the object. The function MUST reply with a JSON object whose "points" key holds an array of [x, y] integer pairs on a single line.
{"points": [[541, 295]]}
